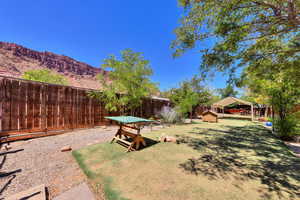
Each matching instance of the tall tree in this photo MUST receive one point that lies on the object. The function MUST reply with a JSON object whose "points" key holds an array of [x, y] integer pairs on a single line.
{"points": [[45, 75], [244, 31], [280, 89], [128, 82], [184, 98], [262, 37], [188, 95]]}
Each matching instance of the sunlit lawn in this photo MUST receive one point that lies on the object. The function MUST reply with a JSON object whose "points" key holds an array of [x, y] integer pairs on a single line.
{"points": [[233, 159]]}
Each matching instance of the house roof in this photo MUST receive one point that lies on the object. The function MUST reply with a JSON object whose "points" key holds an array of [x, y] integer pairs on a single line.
{"points": [[230, 100], [209, 111], [160, 98]]}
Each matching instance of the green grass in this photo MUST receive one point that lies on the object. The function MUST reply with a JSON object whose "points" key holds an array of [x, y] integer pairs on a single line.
{"points": [[233, 159]]}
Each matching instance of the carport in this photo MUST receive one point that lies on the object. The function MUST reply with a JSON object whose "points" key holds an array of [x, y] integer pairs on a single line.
{"points": [[232, 100]]}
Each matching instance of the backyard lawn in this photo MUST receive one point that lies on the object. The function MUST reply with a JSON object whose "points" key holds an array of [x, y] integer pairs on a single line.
{"points": [[233, 159]]}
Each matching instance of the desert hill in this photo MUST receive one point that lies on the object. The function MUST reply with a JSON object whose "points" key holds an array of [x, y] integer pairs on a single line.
{"points": [[16, 59]]}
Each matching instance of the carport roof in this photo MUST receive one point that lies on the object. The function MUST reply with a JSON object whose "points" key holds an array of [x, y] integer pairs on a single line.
{"points": [[230, 100]]}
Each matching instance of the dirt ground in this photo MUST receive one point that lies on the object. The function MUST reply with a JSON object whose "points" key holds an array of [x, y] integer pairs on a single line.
{"points": [[40, 161]]}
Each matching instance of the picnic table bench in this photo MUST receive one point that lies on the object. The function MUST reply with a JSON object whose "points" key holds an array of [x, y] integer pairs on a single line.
{"points": [[131, 123]]}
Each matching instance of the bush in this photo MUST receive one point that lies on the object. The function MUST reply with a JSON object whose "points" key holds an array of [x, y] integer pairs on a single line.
{"points": [[170, 115], [297, 118], [46, 76], [287, 127]]}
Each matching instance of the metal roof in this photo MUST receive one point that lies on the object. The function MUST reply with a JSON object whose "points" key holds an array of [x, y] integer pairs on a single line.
{"points": [[160, 98], [210, 111], [230, 100]]}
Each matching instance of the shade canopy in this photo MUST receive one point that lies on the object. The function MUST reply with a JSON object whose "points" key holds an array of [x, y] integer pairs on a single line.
{"points": [[230, 100], [128, 119]]}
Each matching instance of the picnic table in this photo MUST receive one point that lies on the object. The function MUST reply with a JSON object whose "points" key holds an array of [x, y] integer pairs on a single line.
{"points": [[131, 123]]}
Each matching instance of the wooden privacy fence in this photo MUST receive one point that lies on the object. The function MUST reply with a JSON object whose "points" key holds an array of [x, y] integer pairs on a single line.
{"points": [[33, 109]]}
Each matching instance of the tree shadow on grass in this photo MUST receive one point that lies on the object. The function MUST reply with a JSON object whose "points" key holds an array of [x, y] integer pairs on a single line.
{"points": [[149, 143], [246, 153]]}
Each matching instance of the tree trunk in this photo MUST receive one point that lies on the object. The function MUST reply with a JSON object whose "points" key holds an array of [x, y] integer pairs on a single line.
{"points": [[191, 115], [266, 111], [272, 110]]}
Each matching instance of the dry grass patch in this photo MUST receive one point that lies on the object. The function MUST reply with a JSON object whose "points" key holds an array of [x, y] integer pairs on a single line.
{"points": [[232, 159]]}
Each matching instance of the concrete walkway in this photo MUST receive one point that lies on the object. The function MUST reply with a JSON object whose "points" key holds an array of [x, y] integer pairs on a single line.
{"points": [[78, 192]]}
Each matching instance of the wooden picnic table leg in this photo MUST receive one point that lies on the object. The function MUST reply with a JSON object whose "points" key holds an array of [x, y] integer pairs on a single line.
{"points": [[143, 142], [119, 133], [131, 146], [136, 140], [139, 139], [137, 146]]}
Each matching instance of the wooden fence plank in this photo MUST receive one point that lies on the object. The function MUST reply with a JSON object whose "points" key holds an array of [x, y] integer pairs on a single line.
{"points": [[2, 96], [29, 107], [22, 105], [6, 109]]}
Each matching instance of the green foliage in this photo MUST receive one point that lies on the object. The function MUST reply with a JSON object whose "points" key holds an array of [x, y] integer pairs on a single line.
{"points": [[128, 82], [189, 94], [284, 98], [185, 98], [281, 90], [286, 127], [297, 118], [228, 91], [262, 37], [245, 32], [46, 76]]}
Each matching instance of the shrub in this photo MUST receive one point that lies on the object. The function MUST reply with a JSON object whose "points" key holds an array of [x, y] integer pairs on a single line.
{"points": [[286, 128], [46, 76], [170, 115]]}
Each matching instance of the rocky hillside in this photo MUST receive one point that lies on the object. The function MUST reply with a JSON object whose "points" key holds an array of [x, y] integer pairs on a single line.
{"points": [[16, 59]]}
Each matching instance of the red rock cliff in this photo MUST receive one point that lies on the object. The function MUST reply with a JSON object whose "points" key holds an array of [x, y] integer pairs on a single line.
{"points": [[16, 59]]}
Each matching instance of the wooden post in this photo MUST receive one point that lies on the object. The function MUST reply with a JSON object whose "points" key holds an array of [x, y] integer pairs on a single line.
{"points": [[266, 111], [252, 116], [1, 102], [273, 118], [191, 115], [223, 111]]}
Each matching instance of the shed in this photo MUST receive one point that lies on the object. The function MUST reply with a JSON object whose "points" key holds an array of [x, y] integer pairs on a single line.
{"points": [[209, 116]]}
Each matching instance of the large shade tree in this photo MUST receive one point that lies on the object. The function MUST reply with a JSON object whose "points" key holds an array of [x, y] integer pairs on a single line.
{"points": [[261, 37], [244, 31], [279, 89]]}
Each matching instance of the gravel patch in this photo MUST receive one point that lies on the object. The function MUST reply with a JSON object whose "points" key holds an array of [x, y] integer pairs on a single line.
{"points": [[40, 161]]}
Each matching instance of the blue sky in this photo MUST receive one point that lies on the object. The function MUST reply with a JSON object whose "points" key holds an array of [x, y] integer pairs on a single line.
{"points": [[91, 30]]}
